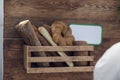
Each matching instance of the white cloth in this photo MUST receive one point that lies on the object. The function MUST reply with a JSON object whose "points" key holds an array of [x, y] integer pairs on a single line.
{"points": [[108, 66]]}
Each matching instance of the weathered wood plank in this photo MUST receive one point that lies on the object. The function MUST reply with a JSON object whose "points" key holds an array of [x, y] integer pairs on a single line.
{"points": [[12, 70], [25, 50], [60, 48], [102, 9], [58, 69], [60, 59], [13, 62], [110, 27], [13, 49]]}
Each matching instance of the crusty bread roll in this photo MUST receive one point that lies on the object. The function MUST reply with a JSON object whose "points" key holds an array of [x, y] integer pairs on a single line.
{"points": [[80, 53], [62, 34]]}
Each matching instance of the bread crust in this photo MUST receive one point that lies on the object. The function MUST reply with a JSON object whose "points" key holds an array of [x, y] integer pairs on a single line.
{"points": [[62, 34]]}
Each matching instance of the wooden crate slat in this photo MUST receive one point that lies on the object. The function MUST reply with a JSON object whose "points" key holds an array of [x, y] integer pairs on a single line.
{"points": [[60, 69], [25, 57], [29, 59], [60, 48], [60, 59]]}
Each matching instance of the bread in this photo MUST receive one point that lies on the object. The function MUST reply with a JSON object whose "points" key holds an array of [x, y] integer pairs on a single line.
{"points": [[62, 34]]}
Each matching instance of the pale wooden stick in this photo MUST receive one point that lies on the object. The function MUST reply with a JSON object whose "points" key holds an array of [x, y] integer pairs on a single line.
{"points": [[45, 33]]}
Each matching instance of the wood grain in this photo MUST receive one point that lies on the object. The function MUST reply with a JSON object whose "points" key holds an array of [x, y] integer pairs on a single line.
{"points": [[60, 48], [62, 8], [58, 69], [110, 27], [60, 59], [13, 62], [25, 50]]}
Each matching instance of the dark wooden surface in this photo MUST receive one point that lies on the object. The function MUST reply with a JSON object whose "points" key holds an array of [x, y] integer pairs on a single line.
{"points": [[103, 12]]}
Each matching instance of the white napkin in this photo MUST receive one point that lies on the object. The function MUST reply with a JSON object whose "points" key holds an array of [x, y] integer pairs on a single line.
{"points": [[108, 67]]}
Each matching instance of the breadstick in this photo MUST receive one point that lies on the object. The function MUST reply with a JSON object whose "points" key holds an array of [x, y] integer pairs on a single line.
{"points": [[45, 33]]}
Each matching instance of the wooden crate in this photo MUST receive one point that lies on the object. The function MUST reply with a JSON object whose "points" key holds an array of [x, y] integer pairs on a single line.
{"points": [[28, 59]]}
